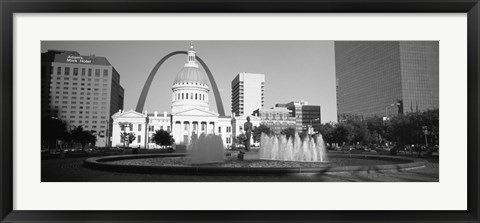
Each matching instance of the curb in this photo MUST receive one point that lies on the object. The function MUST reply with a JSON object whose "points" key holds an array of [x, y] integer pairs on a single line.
{"points": [[100, 163]]}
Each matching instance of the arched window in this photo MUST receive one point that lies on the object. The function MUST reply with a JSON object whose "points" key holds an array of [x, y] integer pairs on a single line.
{"points": [[195, 96], [182, 95], [187, 95]]}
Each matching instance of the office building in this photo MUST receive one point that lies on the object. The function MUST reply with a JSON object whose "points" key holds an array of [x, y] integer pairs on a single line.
{"points": [[305, 115], [46, 78], [276, 118], [386, 77], [82, 90], [247, 93]]}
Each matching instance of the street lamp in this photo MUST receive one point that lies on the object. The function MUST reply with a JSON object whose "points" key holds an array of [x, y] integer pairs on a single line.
{"points": [[425, 132]]}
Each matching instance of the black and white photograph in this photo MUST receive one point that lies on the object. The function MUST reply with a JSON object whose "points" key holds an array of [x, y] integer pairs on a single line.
{"points": [[233, 111], [239, 111]]}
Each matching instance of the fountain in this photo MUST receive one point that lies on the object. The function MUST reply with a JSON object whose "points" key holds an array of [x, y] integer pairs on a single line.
{"points": [[280, 148], [277, 155], [206, 149]]}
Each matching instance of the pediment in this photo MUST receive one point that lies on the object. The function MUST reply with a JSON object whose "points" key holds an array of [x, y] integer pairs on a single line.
{"points": [[129, 114], [196, 112]]}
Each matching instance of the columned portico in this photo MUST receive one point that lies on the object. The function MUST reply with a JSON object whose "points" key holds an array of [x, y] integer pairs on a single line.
{"points": [[193, 121], [211, 128]]}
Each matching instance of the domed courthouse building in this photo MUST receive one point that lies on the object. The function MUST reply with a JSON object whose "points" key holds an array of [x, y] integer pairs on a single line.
{"points": [[190, 113]]}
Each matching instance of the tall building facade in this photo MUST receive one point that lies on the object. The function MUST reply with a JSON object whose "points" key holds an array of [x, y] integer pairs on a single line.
{"points": [[386, 77], [46, 79], [305, 115], [247, 93], [276, 118], [82, 90]]}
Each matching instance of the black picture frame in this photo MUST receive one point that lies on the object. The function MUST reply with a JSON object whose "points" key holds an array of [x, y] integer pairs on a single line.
{"points": [[9, 7]]}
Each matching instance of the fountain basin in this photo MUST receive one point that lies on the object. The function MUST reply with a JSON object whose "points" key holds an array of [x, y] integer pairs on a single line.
{"points": [[143, 164]]}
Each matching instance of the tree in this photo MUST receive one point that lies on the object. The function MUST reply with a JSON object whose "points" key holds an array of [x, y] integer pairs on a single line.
{"points": [[162, 138], [127, 137], [432, 123], [408, 129], [124, 135], [401, 129], [53, 129], [81, 136], [341, 133], [289, 132], [327, 132], [377, 128], [258, 130], [358, 130]]}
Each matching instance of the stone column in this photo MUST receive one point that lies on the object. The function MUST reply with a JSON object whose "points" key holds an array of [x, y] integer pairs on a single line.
{"points": [[181, 133], [187, 124], [190, 129]]}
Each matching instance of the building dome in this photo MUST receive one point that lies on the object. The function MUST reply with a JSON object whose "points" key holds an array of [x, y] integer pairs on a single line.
{"points": [[192, 75], [190, 88]]}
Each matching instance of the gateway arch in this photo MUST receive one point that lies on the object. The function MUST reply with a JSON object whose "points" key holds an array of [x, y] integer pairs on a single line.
{"points": [[146, 87]]}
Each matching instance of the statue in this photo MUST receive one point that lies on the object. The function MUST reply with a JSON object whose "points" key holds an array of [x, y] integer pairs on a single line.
{"points": [[248, 133]]}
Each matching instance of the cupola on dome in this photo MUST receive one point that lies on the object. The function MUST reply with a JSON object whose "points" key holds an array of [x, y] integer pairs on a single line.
{"points": [[190, 73]]}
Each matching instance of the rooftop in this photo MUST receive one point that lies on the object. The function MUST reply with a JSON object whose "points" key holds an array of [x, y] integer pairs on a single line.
{"points": [[65, 56]]}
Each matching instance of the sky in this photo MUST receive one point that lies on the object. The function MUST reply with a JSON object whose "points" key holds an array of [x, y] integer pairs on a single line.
{"points": [[294, 70]]}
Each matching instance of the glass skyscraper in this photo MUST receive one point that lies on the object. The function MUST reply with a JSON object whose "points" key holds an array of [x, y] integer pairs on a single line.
{"points": [[386, 77]]}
